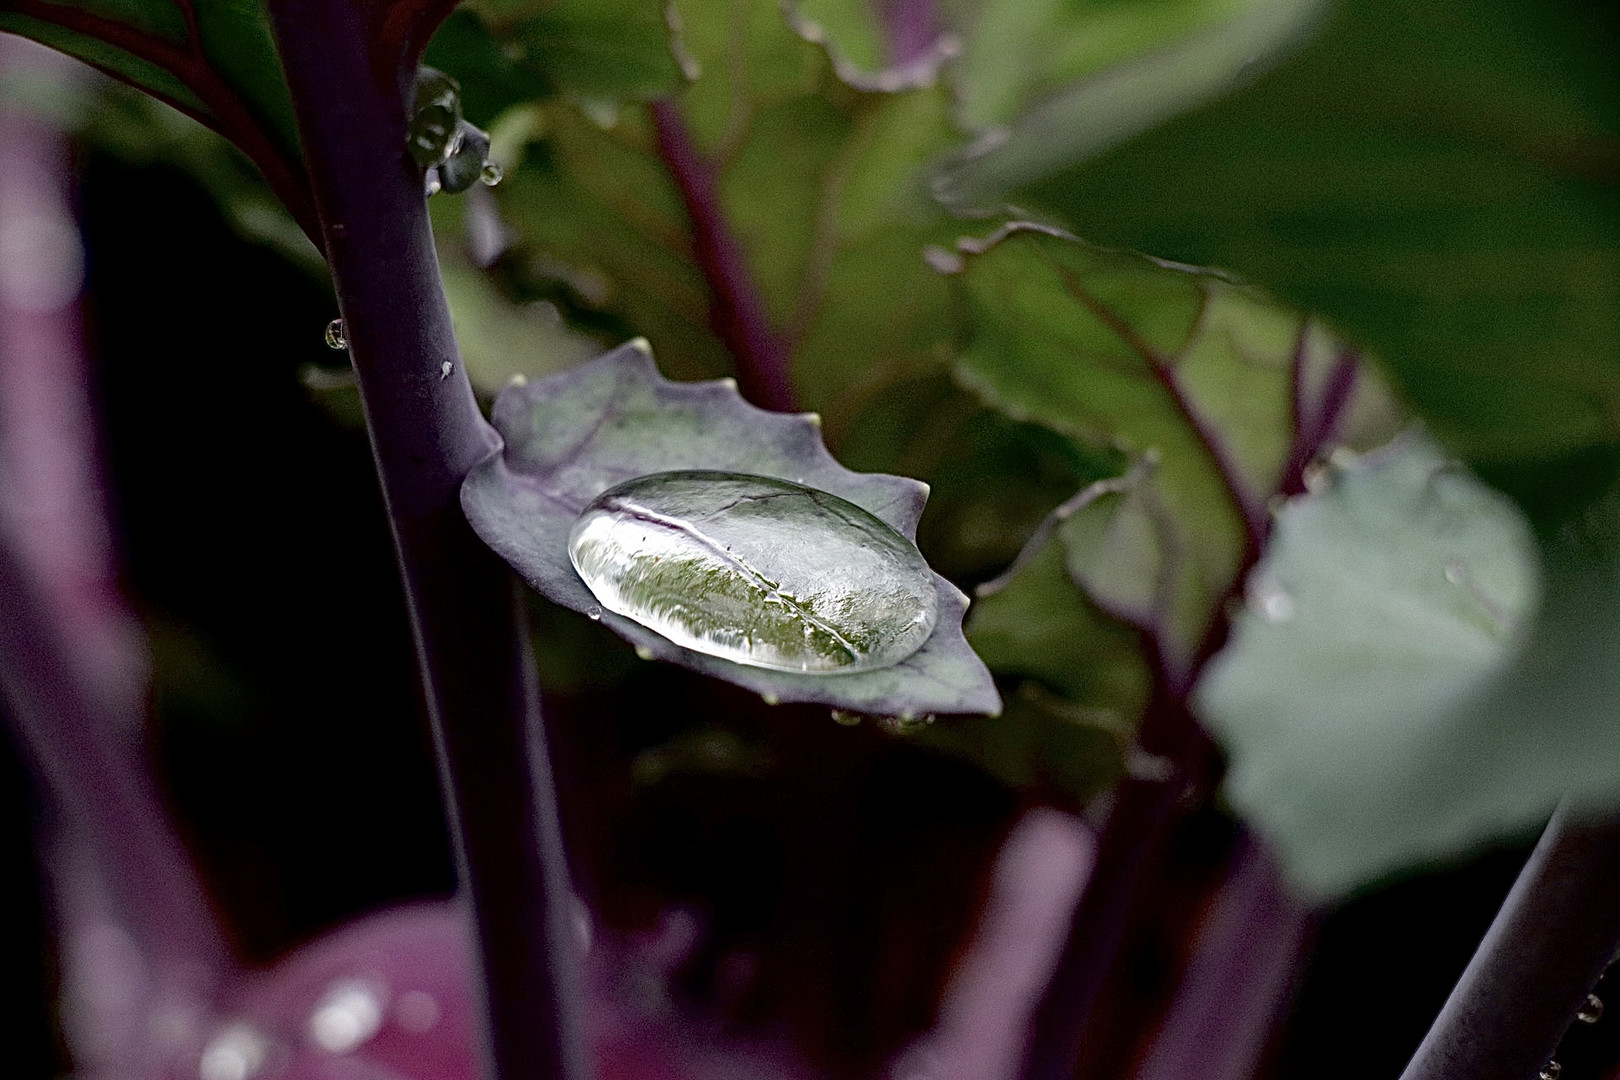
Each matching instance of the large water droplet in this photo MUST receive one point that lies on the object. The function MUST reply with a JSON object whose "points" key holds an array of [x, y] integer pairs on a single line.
{"points": [[433, 133], [1551, 1071], [756, 570], [1591, 1010], [490, 174], [335, 338]]}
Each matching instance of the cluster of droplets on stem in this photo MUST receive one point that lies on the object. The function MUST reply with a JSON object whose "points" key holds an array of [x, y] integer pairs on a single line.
{"points": [[453, 153], [756, 570]]}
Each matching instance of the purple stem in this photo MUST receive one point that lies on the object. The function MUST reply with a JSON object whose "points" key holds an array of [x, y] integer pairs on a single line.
{"points": [[1556, 932], [736, 310], [426, 433], [72, 669], [1236, 984]]}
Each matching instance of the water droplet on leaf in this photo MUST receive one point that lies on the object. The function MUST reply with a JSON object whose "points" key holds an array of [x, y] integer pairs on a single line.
{"points": [[846, 719], [490, 175], [593, 612], [238, 1052], [445, 369], [1591, 1011], [348, 1014], [1551, 1071], [644, 652], [433, 133], [335, 338], [1272, 601], [431, 186], [756, 570]]}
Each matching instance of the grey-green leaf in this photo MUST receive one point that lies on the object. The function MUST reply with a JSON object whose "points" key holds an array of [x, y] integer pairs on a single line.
{"points": [[1370, 697], [573, 436]]}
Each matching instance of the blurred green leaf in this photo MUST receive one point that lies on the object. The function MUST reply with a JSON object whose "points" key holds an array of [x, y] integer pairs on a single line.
{"points": [[609, 49], [1223, 398], [1436, 177], [214, 60], [1380, 700], [573, 436]]}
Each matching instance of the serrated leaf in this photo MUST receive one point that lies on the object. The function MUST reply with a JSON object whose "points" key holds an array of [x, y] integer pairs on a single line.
{"points": [[571, 437], [1223, 397], [1380, 700], [1435, 177]]}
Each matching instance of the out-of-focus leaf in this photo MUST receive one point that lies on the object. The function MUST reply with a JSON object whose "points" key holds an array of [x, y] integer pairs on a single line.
{"points": [[1436, 177], [214, 60], [1223, 397], [1046, 84], [571, 437], [818, 183], [1380, 699], [612, 50]]}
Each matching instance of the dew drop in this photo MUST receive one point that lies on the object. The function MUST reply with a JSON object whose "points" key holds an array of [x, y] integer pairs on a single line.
{"points": [[1272, 601], [644, 652], [1551, 1071], [756, 570], [348, 1014], [1456, 572], [445, 369], [846, 719], [432, 185], [490, 174], [594, 612], [335, 338], [770, 698], [1591, 1011]]}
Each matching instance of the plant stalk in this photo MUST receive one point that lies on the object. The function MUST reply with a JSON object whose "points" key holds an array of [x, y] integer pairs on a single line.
{"points": [[1555, 934], [426, 434]]}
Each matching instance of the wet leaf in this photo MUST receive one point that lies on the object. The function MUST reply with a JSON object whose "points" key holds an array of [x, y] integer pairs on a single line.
{"points": [[1380, 699], [1222, 397], [573, 436]]}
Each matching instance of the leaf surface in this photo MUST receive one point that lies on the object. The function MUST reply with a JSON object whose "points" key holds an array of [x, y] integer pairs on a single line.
{"points": [[571, 437], [1389, 694]]}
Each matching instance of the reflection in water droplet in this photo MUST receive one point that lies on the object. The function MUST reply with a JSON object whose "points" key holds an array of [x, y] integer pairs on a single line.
{"points": [[644, 652], [846, 719], [756, 570], [237, 1052], [907, 723], [490, 175], [335, 338], [1551, 1071], [593, 613], [445, 369], [348, 1014], [1591, 1011], [1456, 572]]}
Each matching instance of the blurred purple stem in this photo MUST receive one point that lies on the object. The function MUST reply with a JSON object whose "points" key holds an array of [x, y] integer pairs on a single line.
{"points": [[911, 27], [736, 310], [1236, 985], [72, 663], [466, 612]]}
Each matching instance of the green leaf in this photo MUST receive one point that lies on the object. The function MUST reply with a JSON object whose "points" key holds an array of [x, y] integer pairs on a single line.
{"points": [[573, 436], [613, 50], [1222, 397], [212, 59], [1438, 179], [1381, 700], [819, 184]]}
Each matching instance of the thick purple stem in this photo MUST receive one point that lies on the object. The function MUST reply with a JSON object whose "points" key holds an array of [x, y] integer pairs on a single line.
{"points": [[1557, 931], [426, 433], [1245, 957], [736, 310]]}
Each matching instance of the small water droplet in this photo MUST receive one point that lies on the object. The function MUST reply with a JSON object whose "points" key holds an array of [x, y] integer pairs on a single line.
{"points": [[1591, 1011], [1551, 1071], [335, 338], [431, 186], [907, 723], [770, 698], [348, 1014], [445, 369], [490, 174], [644, 652], [1272, 601], [846, 719], [238, 1052], [1456, 572], [756, 570]]}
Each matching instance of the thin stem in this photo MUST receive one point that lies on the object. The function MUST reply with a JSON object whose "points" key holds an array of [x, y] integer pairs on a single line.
{"points": [[1236, 985], [1556, 932], [736, 310], [426, 434]]}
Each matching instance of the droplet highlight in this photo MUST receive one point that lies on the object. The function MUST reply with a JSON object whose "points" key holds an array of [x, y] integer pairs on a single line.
{"points": [[756, 570], [1591, 1010], [348, 1014], [335, 338], [238, 1052], [1551, 1071], [490, 174]]}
